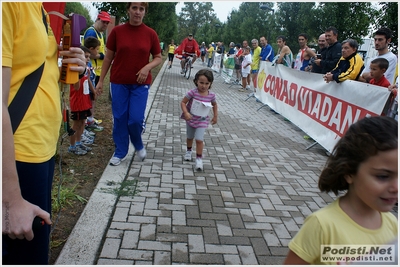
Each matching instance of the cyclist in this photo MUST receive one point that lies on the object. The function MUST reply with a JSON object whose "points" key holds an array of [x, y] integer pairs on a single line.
{"points": [[189, 46]]}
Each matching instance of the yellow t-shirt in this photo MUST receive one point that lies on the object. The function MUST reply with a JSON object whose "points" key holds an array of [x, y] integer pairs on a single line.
{"points": [[24, 49], [171, 49], [97, 64], [332, 226], [255, 65], [210, 51]]}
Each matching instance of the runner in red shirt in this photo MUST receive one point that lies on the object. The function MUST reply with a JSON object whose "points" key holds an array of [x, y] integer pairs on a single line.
{"points": [[188, 46]]}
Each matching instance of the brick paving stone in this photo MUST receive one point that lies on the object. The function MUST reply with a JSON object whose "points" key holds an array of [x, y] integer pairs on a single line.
{"points": [[196, 243], [232, 259], [136, 254], [162, 258], [130, 240], [180, 253], [247, 255], [197, 258], [114, 262], [110, 248]]}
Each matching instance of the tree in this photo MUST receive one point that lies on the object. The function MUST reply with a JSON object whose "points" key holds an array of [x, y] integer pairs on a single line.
{"points": [[78, 8], [116, 9], [387, 16], [163, 19], [195, 16]]}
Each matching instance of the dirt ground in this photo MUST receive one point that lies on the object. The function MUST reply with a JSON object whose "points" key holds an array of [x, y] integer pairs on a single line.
{"points": [[80, 175]]}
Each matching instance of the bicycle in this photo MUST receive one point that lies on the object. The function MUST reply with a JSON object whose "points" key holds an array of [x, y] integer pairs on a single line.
{"points": [[188, 65]]}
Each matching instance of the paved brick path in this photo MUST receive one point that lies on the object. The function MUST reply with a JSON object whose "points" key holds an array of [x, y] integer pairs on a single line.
{"points": [[258, 185]]}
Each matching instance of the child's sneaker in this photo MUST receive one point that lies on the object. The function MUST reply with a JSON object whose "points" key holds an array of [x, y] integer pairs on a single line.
{"points": [[142, 154], [188, 155], [85, 148], [88, 133], [76, 150], [94, 126], [199, 164], [86, 140]]}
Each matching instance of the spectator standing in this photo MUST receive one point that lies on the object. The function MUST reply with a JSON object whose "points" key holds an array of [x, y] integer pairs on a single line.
{"points": [[196, 124], [393, 107], [29, 147], [255, 65], [333, 52], [210, 52], [238, 63], [240, 54], [171, 52], [349, 66], [189, 45], [203, 51], [267, 53], [80, 104], [305, 53], [382, 38], [129, 48], [362, 215], [221, 50], [246, 68], [284, 55], [97, 31], [321, 53]]}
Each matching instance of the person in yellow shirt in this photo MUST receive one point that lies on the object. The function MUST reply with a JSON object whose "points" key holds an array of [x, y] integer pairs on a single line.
{"points": [[255, 65], [29, 48], [171, 52], [363, 165], [210, 52]]}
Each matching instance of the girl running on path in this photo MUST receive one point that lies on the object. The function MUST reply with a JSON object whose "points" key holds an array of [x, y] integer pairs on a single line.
{"points": [[197, 123]]}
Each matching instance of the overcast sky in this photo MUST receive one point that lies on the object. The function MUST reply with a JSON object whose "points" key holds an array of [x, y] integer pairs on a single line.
{"points": [[221, 8]]}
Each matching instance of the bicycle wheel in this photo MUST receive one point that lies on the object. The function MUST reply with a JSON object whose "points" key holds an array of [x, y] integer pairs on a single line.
{"points": [[185, 67], [188, 69]]}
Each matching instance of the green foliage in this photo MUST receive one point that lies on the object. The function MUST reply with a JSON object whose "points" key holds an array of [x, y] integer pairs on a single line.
{"points": [[127, 188], [199, 19], [78, 8], [163, 19], [64, 196], [388, 16]]}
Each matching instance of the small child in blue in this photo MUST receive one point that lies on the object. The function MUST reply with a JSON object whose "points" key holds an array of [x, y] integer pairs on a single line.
{"points": [[197, 125]]}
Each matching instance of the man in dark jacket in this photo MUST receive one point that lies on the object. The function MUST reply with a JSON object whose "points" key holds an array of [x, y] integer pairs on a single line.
{"points": [[333, 52], [321, 54]]}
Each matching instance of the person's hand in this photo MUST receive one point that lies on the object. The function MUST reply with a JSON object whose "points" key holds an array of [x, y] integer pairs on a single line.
{"points": [[393, 89], [18, 216], [318, 62], [99, 88], [214, 120], [142, 75], [328, 77], [75, 55], [187, 116]]}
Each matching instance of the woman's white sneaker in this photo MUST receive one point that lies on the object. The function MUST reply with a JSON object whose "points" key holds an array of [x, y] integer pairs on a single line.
{"points": [[188, 155], [142, 154]]}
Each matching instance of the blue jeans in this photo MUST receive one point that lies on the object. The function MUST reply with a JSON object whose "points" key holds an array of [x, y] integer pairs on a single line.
{"points": [[128, 108], [35, 181]]}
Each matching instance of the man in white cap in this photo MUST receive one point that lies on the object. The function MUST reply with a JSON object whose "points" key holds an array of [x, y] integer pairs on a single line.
{"points": [[99, 26]]}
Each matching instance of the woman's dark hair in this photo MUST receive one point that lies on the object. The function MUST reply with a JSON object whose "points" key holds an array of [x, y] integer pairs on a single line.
{"points": [[363, 139], [208, 73]]}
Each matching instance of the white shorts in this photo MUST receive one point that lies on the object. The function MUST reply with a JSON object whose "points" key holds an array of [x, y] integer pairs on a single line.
{"points": [[245, 74]]}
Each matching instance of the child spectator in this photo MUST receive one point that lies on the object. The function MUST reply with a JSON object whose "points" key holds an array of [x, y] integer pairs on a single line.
{"points": [[378, 68], [80, 105], [246, 63], [364, 163], [93, 44], [197, 125]]}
